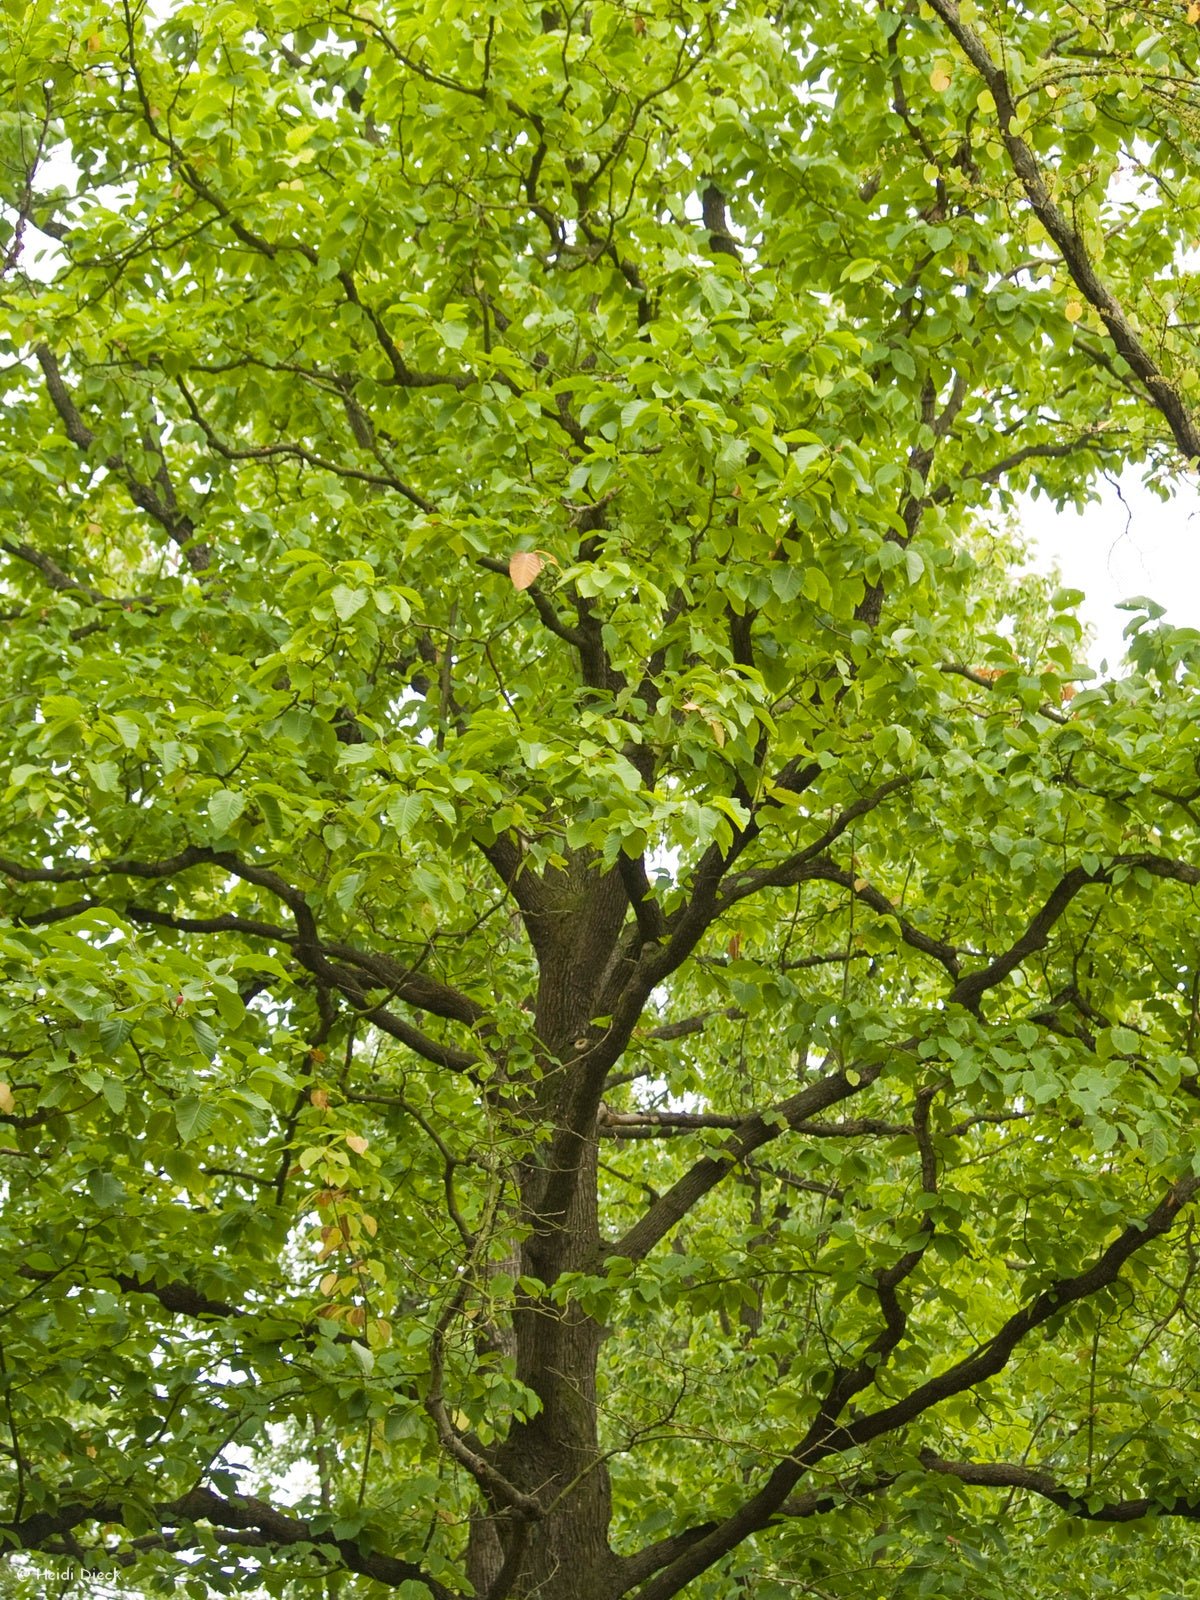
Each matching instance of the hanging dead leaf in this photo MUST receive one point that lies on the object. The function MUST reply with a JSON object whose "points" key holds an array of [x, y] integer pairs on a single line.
{"points": [[7, 1104], [718, 731], [939, 80], [1193, 12], [357, 1143], [95, 43], [524, 567], [1073, 310], [320, 1099]]}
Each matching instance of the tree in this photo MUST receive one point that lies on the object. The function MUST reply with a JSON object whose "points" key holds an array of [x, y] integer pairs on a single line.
{"points": [[588, 1011]]}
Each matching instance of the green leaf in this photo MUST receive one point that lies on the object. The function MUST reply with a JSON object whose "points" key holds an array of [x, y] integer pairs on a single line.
{"points": [[189, 1116], [106, 1190], [347, 602], [224, 808], [405, 812], [859, 271], [207, 1041], [114, 1032]]}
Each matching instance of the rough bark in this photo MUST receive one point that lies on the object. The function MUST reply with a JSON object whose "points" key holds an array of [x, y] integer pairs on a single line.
{"points": [[554, 1456]]}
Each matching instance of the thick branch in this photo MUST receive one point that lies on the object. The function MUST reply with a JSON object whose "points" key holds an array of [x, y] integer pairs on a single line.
{"points": [[970, 989], [181, 1299], [1086, 1505], [825, 1438]]}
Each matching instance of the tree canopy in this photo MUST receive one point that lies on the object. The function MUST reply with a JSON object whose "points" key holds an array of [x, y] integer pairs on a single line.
{"points": [[597, 1002]]}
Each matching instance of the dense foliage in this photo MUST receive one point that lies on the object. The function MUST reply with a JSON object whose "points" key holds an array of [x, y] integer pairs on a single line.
{"points": [[595, 1000]]}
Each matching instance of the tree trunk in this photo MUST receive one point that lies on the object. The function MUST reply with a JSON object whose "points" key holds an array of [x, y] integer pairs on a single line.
{"points": [[555, 1455]]}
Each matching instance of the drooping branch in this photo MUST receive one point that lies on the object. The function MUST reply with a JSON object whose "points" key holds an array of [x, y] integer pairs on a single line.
{"points": [[1164, 394], [61, 582], [276, 1529], [156, 501], [1008, 1475], [294, 451], [359, 975], [806, 868]]}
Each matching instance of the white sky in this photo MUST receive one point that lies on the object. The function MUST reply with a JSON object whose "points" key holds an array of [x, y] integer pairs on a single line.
{"points": [[1129, 544]]}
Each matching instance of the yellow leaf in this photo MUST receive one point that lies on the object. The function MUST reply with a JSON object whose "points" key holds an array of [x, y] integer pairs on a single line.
{"points": [[328, 1282], [320, 1099], [718, 732], [939, 80], [357, 1143], [7, 1104], [523, 568], [1073, 310], [860, 884], [95, 43], [1193, 12]]}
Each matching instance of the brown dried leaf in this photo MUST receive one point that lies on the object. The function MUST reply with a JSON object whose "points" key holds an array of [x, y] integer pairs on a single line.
{"points": [[357, 1143], [524, 567]]}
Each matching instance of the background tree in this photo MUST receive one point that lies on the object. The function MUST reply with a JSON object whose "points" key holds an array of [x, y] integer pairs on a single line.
{"points": [[586, 1015]]}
